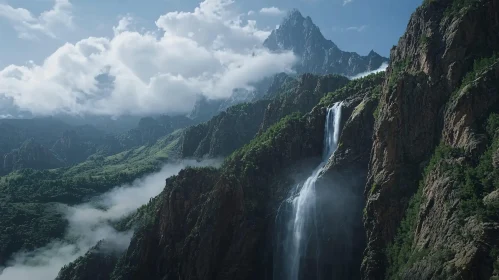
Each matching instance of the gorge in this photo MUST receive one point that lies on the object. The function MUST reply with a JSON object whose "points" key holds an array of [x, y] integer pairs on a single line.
{"points": [[394, 175]]}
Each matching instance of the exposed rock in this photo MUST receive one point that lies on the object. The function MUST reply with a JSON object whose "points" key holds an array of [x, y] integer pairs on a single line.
{"points": [[302, 98], [472, 103], [495, 159], [213, 225], [492, 198], [235, 127], [317, 54], [224, 133], [441, 43], [97, 264]]}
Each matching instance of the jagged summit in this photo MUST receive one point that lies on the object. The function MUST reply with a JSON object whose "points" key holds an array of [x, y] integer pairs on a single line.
{"points": [[317, 54]]}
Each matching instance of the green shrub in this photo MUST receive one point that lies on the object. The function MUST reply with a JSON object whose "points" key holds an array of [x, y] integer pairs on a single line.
{"points": [[401, 253], [478, 66]]}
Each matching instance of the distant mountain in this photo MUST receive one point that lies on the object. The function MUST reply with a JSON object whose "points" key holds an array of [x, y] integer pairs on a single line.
{"points": [[316, 54], [44, 143]]}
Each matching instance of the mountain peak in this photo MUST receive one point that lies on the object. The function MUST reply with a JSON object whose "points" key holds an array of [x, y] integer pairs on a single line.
{"points": [[293, 13], [294, 32], [372, 53], [317, 54]]}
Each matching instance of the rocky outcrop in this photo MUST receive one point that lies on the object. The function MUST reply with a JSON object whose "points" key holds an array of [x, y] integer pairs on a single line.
{"points": [[317, 54], [442, 41], [302, 98], [214, 224], [97, 264], [219, 223], [225, 132], [235, 127]]}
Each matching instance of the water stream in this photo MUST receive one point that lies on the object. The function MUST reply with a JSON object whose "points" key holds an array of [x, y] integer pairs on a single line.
{"points": [[296, 219]]}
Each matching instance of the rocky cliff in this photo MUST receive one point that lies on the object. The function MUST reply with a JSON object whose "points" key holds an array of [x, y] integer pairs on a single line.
{"points": [[237, 126], [412, 191], [441, 87], [219, 223], [317, 54]]}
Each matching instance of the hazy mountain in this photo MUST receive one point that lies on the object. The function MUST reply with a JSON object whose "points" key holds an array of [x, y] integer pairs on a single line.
{"points": [[317, 54]]}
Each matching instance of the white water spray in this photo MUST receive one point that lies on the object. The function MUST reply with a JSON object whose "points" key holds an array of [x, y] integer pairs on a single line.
{"points": [[303, 204]]}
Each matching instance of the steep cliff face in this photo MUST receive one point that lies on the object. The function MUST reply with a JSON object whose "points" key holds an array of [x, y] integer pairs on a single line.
{"points": [[219, 223], [425, 100], [317, 54], [214, 224], [97, 264], [235, 127], [301, 98]]}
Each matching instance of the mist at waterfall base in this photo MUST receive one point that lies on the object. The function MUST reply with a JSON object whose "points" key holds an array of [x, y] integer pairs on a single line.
{"points": [[91, 222], [315, 227]]}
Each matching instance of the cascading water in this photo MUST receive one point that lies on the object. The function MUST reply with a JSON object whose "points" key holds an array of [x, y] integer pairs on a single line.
{"points": [[297, 216]]}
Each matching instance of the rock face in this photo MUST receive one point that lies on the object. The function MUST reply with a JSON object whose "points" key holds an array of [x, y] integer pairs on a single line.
{"points": [[219, 224], [235, 127], [442, 41], [301, 98], [317, 54], [96, 264]]}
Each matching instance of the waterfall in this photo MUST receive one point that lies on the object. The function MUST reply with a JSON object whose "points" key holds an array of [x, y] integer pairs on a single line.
{"points": [[296, 219]]}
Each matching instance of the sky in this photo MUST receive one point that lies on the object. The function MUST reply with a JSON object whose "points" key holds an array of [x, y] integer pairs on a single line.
{"points": [[117, 57]]}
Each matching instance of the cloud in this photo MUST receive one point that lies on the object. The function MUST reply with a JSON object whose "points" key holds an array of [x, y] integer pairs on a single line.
{"points": [[47, 23], [250, 13], [272, 11], [351, 28], [209, 51], [345, 2], [382, 68], [123, 25], [357, 28], [90, 223]]}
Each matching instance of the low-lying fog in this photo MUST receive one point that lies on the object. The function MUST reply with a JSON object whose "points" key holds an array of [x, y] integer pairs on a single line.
{"points": [[91, 222]]}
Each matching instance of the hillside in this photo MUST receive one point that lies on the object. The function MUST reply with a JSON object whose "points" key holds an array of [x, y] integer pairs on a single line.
{"points": [[410, 193]]}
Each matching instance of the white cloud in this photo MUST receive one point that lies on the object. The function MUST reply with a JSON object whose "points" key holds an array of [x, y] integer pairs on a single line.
{"points": [[351, 28], [250, 13], [382, 68], [209, 51], [273, 11], [345, 2], [357, 28], [90, 223], [123, 25], [48, 22]]}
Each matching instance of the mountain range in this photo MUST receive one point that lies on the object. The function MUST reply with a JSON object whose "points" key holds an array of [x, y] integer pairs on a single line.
{"points": [[410, 192]]}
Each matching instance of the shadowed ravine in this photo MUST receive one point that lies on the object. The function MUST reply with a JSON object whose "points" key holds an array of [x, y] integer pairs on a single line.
{"points": [[296, 222]]}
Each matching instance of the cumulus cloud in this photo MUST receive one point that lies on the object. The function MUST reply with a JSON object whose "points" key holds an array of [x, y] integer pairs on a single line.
{"points": [[382, 68], [345, 2], [90, 223], [48, 22], [123, 25], [272, 11], [209, 51]]}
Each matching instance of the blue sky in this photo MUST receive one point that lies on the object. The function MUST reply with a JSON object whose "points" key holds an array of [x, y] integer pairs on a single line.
{"points": [[115, 57], [381, 22]]}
